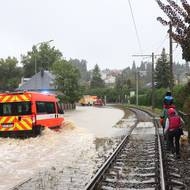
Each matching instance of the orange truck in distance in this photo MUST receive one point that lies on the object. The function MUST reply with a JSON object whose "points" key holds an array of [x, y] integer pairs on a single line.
{"points": [[87, 100], [27, 113]]}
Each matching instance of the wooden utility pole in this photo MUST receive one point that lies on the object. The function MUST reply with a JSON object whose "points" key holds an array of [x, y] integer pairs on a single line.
{"points": [[171, 58]]}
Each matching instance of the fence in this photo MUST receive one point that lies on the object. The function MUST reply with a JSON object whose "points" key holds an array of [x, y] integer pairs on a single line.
{"points": [[68, 106]]}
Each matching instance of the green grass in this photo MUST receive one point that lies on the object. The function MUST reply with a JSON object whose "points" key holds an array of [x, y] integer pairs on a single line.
{"points": [[156, 111]]}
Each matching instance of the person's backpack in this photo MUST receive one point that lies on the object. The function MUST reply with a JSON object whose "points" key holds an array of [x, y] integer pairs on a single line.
{"points": [[174, 122]]}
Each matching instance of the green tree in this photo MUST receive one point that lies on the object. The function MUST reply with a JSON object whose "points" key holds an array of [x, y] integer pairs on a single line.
{"points": [[44, 56], [121, 86], [179, 18], [148, 76], [96, 81], [129, 83], [67, 80], [142, 66], [129, 74], [10, 74], [162, 71], [82, 67], [134, 67]]}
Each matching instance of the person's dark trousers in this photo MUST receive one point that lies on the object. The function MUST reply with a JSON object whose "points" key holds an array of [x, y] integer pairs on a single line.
{"points": [[166, 137], [171, 136]]}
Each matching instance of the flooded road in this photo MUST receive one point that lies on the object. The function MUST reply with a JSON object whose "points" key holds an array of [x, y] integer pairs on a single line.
{"points": [[66, 159], [101, 122]]}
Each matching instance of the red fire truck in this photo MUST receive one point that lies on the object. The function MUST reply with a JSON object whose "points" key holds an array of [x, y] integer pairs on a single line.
{"points": [[99, 102], [26, 113]]}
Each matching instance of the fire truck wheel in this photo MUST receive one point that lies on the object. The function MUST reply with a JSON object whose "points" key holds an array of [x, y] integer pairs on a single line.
{"points": [[37, 130]]}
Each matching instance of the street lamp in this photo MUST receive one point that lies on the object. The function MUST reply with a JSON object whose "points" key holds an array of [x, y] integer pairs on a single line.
{"points": [[35, 52]]}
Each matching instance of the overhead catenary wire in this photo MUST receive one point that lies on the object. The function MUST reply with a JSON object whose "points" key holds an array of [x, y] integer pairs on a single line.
{"points": [[162, 43], [135, 26]]}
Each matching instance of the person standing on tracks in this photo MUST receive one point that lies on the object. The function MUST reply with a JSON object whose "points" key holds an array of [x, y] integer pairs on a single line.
{"points": [[168, 99], [173, 129], [168, 103]]}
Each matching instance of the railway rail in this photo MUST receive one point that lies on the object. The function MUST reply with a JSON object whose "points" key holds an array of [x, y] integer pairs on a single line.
{"points": [[140, 161]]}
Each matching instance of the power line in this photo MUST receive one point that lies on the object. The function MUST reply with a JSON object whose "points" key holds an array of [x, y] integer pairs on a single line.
{"points": [[135, 26], [158, 47], [162, 42]]}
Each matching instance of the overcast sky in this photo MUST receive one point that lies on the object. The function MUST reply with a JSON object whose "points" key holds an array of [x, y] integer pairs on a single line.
{"points": [[100, 31]]}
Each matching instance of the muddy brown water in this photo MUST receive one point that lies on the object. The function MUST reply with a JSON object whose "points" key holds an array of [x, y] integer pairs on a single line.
{"points": [[66, 159]]}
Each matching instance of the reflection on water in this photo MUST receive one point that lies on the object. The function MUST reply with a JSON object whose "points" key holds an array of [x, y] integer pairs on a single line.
{"points": [[58, 160]]}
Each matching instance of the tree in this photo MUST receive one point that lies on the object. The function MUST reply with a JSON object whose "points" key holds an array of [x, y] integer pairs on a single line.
{"points": [[142, 66], [134, 67], [10, 74], [67, 80], [179, 18], [129, 74], [82, 67], [129, 83], [148, 77], [162, 71], [122, 86], [44, 56], [96, 81]]}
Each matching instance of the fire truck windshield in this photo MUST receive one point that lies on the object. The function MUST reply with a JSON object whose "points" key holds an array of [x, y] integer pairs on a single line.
{"points": [[15, 108]]}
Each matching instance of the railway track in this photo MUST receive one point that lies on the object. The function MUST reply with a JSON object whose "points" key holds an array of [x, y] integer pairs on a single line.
{"points": [[177, 171], [140, 161]]}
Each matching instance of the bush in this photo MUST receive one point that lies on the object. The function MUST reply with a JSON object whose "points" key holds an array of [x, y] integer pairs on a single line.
{"points": [[110, 93], [144, 100], [159, 96], [179, 96], [186, 106]]}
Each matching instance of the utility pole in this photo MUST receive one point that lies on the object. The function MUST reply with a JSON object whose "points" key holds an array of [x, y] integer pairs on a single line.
{"points": [[137, 87], [153, 81], [187, 66], [171, 58], [152, 55]]}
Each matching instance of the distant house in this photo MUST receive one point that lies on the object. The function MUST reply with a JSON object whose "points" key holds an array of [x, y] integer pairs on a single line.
{"points": [[149, 85], [110, 79], [109, 76], [41, 82], [23, 80]]}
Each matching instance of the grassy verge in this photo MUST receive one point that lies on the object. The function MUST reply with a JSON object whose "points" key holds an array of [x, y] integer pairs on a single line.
{"points": [[156, 111]]}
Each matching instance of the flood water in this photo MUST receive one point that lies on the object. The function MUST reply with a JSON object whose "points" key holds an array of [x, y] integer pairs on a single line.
{"points": [[66, 159], [99, 121]]}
